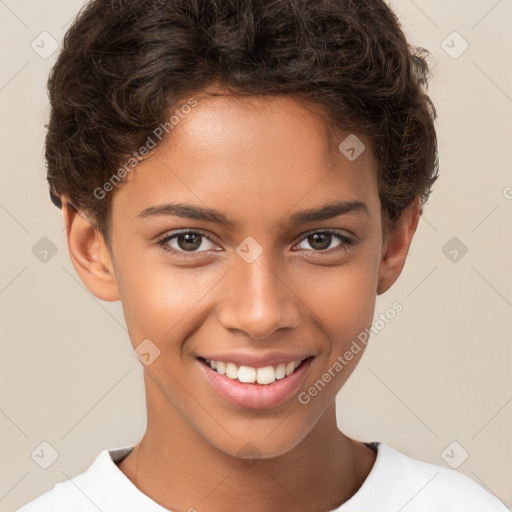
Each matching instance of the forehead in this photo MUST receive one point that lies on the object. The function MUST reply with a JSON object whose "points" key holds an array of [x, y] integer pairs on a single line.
{"points": [[248, 156]]}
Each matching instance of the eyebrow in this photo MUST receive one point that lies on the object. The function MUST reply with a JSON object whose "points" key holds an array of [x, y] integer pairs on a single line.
{"points": [[188, 211], [330, 210]]}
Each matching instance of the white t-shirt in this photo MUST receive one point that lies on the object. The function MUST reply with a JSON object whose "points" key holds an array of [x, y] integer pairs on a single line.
{"points": [[395, 483]]}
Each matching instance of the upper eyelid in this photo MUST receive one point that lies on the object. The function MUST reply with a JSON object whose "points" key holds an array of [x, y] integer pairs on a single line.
{"points": [[174, 234], [335, 231]]}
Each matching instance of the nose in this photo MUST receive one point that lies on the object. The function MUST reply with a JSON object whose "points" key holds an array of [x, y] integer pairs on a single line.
{"points": [[258, 300]]}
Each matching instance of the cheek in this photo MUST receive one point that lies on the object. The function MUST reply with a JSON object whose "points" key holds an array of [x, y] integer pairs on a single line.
{"points": [[343, 298], [159, 300]]}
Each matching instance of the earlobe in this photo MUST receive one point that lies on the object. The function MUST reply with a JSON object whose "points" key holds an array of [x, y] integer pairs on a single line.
{"points": [[397, 247], [89, 255]]}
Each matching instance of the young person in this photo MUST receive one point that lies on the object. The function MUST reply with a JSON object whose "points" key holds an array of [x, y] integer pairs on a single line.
{"points": [[245, 177]]}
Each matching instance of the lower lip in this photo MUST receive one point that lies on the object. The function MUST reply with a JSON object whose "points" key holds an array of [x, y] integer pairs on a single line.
{"points": [[256, 396]]}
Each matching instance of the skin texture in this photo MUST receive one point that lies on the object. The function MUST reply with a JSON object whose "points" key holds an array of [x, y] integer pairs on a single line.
{"points": [[257, 160]]}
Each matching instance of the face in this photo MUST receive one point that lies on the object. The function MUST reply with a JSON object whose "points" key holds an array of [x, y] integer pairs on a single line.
{"points": [[275, 254]]}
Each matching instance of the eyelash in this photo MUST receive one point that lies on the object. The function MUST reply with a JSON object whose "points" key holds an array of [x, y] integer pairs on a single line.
{"points": [[345, 247]]}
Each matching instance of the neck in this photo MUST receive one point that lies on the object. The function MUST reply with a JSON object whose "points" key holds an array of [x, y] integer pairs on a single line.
{"points": [[180, 470]]}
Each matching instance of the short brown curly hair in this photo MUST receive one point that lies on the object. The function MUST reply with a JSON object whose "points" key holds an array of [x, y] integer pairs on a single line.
{"points": [[125, 64]]}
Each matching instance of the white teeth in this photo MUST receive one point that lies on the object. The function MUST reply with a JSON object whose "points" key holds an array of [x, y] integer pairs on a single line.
{"points": [[266, 375], [247, 374], [221, 367], [232, 370], [280, 371]]}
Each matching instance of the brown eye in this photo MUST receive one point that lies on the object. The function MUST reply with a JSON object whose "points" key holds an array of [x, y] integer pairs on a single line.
{"points": [[321, 241], [185, 242], [189, 241]]}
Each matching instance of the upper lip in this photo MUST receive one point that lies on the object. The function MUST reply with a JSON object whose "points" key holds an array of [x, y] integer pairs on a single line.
{"points": [[256, 360]]}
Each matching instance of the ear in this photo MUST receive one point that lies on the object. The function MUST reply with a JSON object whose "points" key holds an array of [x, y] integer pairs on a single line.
{"points": [[396, 248], [89, 255]]}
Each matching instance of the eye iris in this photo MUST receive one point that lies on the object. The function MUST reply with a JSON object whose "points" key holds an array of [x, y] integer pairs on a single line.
{"points": [[189, 239], [325, 239]]}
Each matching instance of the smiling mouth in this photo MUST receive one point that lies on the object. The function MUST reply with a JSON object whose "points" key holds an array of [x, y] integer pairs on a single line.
{"points": [[250, 375]]}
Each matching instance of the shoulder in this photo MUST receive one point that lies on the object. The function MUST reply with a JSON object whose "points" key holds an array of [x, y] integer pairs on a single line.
{"points": [[82, 493], [434, 477], [60, 497], [398, 481]]}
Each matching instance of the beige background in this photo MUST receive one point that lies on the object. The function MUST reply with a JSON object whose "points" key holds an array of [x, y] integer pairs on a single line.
{"points": [[438, 373]]}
